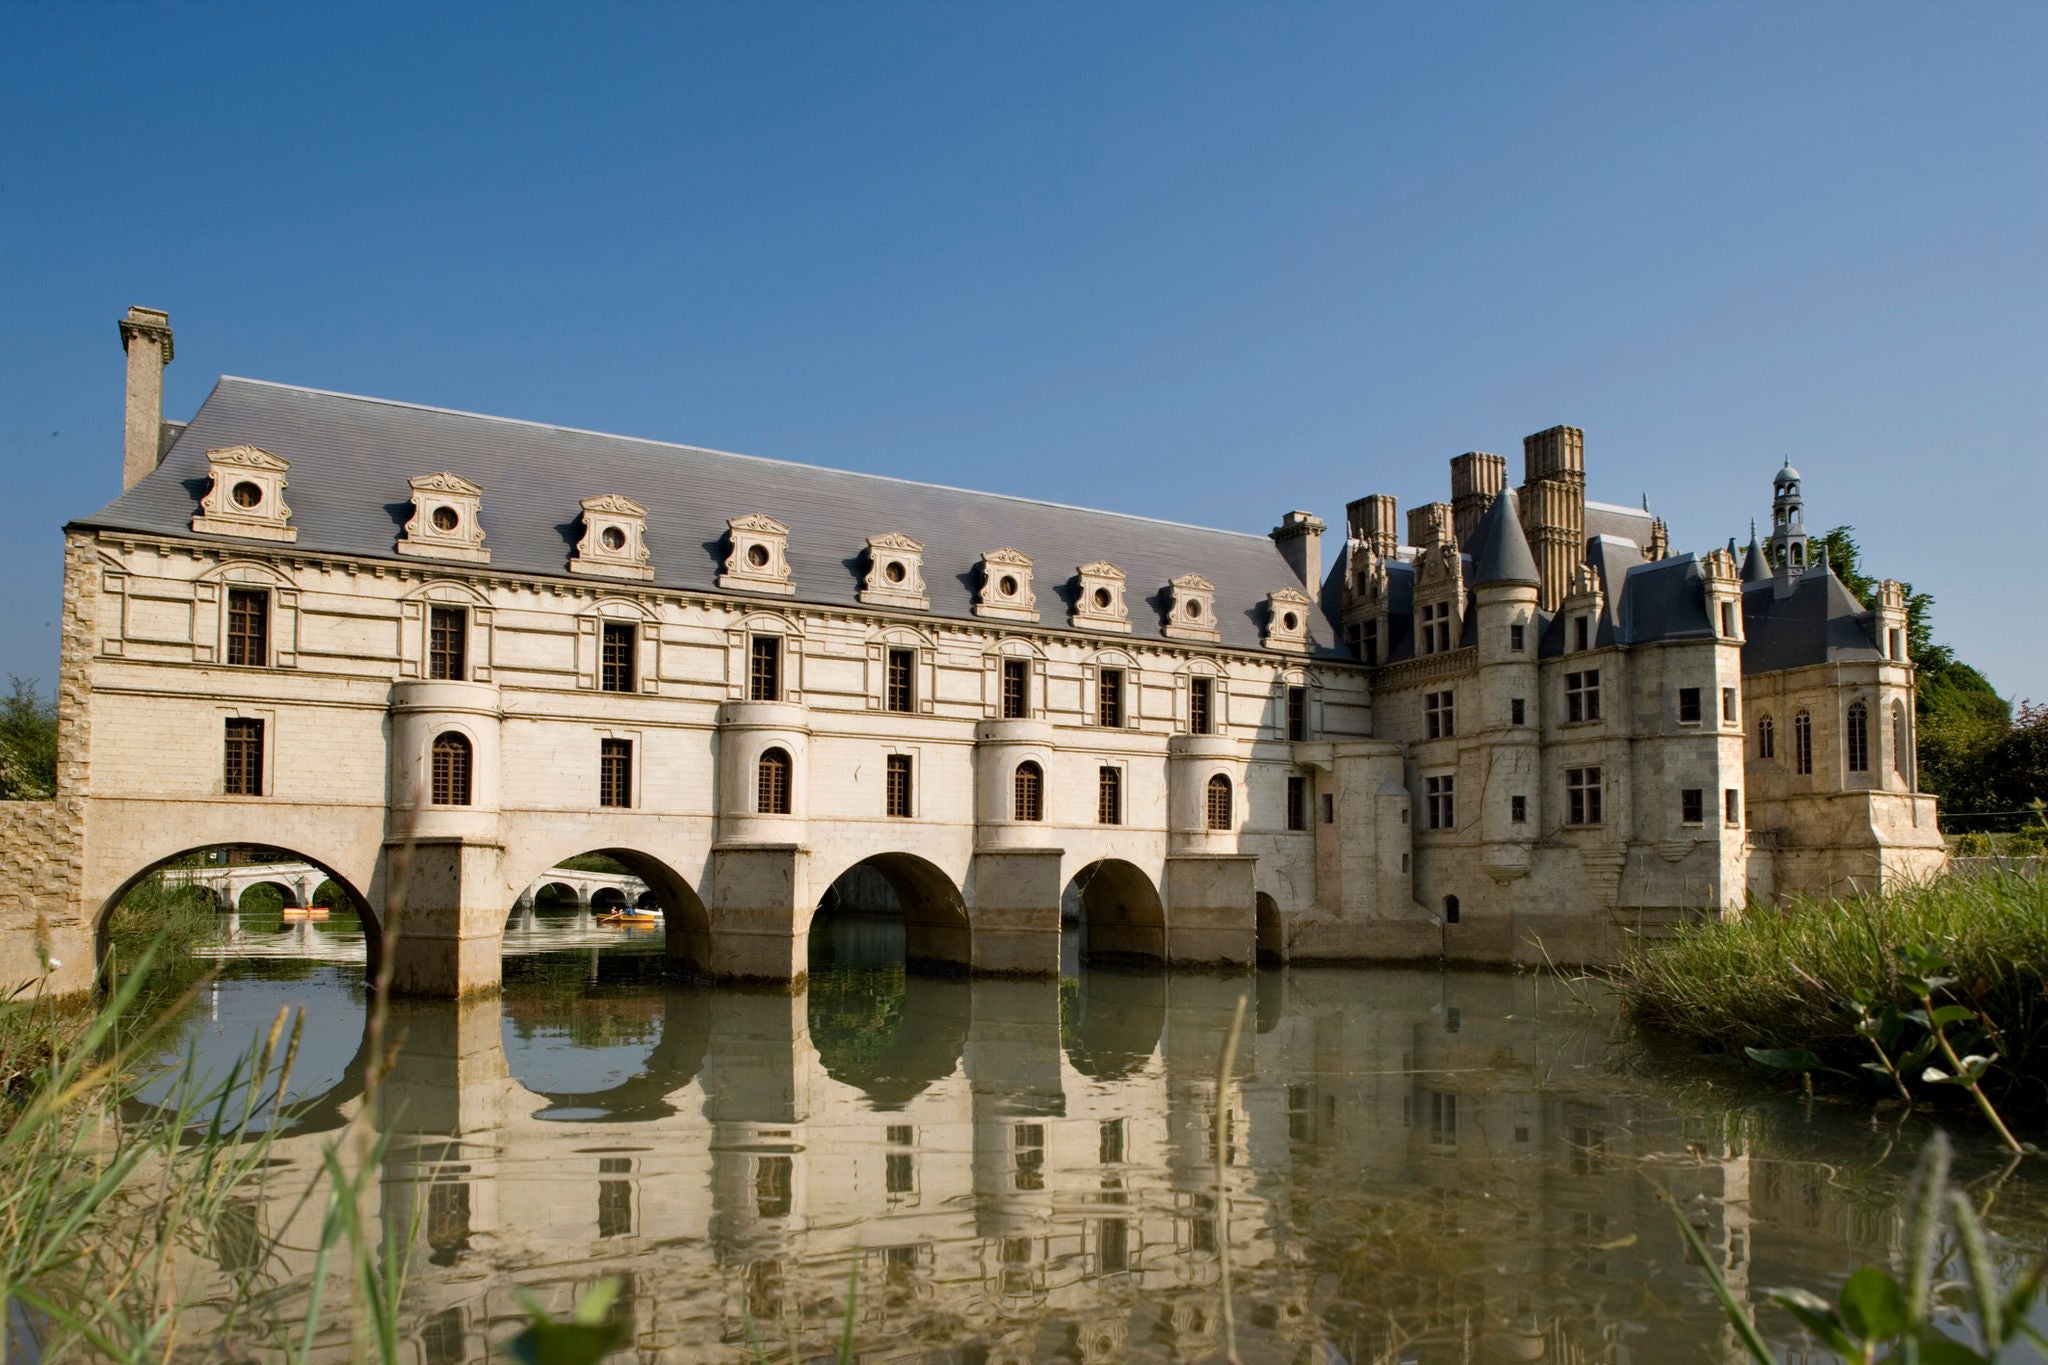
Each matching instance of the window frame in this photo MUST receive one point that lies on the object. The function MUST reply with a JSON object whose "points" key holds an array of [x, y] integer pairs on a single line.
{"points": [[774, 781], [249, 747], [899, 680], [764, 666], [1297, 802], [1027, 793], [1201, 704], [614, 773], [1690, 706], [1439, 714], [899, 787], [451, 769], [1582, 696], [1856, 737], [1584, 799], [1802, 743], [1692, 806], [447, 642], [1440, 797], [1013, 700], [1766, 737], [248, 631], [1109, 795], [1109, 696], [618, 669], [1297, 712], [1218, 804]]}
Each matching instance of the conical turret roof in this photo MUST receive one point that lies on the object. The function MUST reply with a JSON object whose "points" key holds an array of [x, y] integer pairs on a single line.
{"points": [[1500, 552], [1755, 568]]}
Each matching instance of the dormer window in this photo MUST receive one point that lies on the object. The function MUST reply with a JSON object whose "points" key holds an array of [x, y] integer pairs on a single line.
{"points": [[1006, 587], [759, 558], [614, 543], [1287, 620], [447, 520], [895, 576], [246, 498], [1099, 601], [1191, 608], [1435, 632]]}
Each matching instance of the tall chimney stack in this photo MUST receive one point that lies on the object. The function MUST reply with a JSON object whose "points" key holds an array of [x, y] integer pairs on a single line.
{"points": [[1300, 538], [146, 336]]}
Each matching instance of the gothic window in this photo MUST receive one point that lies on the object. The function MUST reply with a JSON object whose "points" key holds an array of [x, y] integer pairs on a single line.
{"points": [[899, 690], [1859, 738], [764, 668], [1802, 743], [771, 786], [1766, 738], [1109, 699], [1297, 802], [1582, 796], [448, 643], [1201, 705], [615, 772], [1582, 695], [1109, 796], [242, 770], [898, 781], [616, 671], [1219, 802], [451, 770], [1440, 794], [248, 627], [1016, 688], [1297, 713], [1027, 792]]}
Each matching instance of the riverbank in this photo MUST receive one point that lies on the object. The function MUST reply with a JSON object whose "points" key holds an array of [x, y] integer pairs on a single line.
{"points": [[1780, 979]]}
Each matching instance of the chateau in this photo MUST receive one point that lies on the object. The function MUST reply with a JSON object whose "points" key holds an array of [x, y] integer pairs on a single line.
{"points": [[436, 653]]}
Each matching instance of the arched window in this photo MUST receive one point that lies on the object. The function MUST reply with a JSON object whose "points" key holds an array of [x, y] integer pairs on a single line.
{"points": [[1450, 909], [451, 770], [772, 784], [1859, 737], [1901, 752], [1028, 792], [1802, 743], [1766, 738], [1219, 802]]}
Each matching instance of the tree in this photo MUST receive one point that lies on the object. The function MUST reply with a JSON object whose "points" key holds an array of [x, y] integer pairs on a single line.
{"points": [[1960, 717], [28, 744]]}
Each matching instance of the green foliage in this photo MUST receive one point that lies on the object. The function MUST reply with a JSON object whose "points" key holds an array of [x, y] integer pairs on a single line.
{"points": [[28, 743], [1827, 978], [586, 1338], [1879, 1316]]}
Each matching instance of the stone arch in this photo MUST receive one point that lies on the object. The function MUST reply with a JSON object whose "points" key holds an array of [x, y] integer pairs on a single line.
{"points": [[686, 924], [246, 571], [285, 891], [1271, 937], [1121, 914], [889, 1035], [607, 900], [1113, 1027], [563, 891], [372, 925], [936, 929]]}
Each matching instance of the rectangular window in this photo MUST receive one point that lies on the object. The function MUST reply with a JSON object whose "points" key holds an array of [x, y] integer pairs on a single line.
{"points": [[616, 672], [1688, 706], [899, 687], [1109, 796], [1582, 695], [1109, 1142], [1728, 704], [1731, 802], [764, 668], [248, 627], [1518, 809], [1371, 652], [898, 782], [1728, 618], [1027, 1155], [615, 772], [1440, 793], [448, 643], [1109, 699], [1895, 645], [614, 1198], [1329, 809], [899, 1173], [1517, 637], [1439, 721], [242, 772], [1436, 628], [1201, 700], [1518, 711], [1582, 796], [1016, 688], [1692, 806], [1297, 802], [1297, 713]]}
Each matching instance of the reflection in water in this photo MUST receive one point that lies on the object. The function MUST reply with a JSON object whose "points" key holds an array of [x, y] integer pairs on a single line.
{"points": [[1422, 1166]]}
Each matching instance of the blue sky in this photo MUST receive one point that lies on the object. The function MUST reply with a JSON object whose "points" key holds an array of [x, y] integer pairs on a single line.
{"points": [[1203, 263]]}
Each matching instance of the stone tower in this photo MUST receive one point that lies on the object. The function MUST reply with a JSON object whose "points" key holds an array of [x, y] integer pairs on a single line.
{"points": [[1505, 582], [1788, 521], [1554, 507], [1476, 480]]}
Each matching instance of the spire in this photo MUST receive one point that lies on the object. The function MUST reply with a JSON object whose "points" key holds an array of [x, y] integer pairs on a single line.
{"points": [[1500, 552], [1755, 568]]}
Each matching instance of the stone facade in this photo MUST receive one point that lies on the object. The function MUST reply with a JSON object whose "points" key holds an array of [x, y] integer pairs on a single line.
{"points": [[1543, 727]]}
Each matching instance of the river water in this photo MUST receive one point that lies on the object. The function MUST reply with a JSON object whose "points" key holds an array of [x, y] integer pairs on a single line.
{"points": [[1420, 1166]]}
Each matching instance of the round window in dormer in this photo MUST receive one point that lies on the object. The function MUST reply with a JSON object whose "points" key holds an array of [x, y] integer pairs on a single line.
{"points": [[1103, 599], [1194, 611], [1291, 621], [446, 518], [247, 494], [613, 538], [895, 572], [1008, 587], [757, 555]]}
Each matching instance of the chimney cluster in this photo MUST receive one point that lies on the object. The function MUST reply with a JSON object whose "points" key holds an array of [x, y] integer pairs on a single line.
{"points": [[146, 336]]}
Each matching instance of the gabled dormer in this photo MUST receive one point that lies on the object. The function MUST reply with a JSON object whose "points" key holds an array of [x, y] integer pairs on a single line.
{"points": [[1006, 587], [759, 557], [447, 520], [246, 497], [614, 543], [895, 574], [1099, 603], [1191, 608]]}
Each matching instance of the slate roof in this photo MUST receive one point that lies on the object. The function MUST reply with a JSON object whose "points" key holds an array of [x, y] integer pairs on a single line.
{"points": [[1819, 621], [351, 458], [1623, 523], [1500, 551]]}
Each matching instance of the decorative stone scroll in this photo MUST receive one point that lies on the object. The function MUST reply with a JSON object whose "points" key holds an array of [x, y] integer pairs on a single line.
{"points": [[247, 496], [446, 520], [759, 561], [614, 543]]}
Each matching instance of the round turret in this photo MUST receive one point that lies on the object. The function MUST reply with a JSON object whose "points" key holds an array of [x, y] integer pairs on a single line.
{"points": [[1787, 475]]}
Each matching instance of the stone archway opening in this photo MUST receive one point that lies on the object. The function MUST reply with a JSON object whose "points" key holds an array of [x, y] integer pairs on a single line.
{"points": [[1114, 914], [611, 900], [893, 909], [1271, 943], [226, 901]]}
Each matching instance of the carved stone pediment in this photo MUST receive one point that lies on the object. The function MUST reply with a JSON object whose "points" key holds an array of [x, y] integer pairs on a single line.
{"points": [[1006, 587], [1287, 618], [614, 543], [759, 560], [1099, 602], [1191, 608], [895, 576], [447, 519], [246, 497]]}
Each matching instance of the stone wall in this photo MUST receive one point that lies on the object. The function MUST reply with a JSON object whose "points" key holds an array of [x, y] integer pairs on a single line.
{"points": [[41, 848]]}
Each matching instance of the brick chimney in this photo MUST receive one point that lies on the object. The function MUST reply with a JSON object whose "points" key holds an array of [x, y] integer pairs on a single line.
{"points": [[146, 336], [1300, 538]]}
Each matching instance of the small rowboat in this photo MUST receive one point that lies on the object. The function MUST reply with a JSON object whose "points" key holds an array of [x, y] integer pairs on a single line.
{"points": [[627, 919], [305, 912]]}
